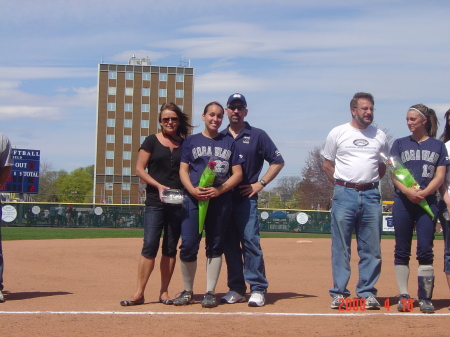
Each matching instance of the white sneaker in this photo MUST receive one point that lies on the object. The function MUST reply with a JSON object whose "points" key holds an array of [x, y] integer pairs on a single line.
{"points": [[2, 299], [256, 300], [232, 297]]}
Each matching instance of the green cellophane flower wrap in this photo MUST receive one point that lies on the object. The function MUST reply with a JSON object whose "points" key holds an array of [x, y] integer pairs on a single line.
{"points": [[206, 180], [403, 175]]}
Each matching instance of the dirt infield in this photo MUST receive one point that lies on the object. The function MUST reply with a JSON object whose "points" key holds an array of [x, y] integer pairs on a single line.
{"points": [[73, 287]]}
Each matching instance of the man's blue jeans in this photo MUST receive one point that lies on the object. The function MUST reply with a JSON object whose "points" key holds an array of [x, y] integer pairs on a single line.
{"points": [[243, 254], [446, 229], [359, 212], [1, 251]]}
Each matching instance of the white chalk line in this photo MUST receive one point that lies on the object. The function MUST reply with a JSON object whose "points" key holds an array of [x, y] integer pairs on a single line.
{"points": [[348, 315]]}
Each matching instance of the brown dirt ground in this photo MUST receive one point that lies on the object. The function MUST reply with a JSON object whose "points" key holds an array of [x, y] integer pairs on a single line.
{"points": [[73, 287]]}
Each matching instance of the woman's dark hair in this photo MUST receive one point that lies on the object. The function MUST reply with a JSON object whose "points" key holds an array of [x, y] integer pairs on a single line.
{"points": [[184, 126], [445, 137], [213, 103], [432, 122]]}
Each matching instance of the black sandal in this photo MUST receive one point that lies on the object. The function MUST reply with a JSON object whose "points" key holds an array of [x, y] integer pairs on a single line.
{"points": [[166, 302], [130, 303]]}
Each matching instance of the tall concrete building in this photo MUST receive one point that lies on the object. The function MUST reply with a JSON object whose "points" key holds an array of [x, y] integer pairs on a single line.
{"points": [[129, 99]]}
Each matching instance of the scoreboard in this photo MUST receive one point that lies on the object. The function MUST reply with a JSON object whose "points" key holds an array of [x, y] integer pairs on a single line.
{"points": [[25, 172]]}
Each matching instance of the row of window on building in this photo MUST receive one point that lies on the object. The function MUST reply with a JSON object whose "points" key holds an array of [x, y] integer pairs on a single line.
{"points": [[126, 155], [129, 75], [145, 92], [109, 200], [127, 123], [125, 186], [129, 106], [126, 171], [126, 139]]}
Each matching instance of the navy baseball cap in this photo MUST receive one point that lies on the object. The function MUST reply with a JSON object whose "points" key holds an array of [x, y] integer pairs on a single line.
{"points": [[237, 97]]}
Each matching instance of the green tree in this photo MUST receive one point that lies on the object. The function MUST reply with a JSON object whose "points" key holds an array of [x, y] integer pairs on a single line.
{"points": [[289, 185], [47, 185], [75, 186], [90, 169], [316, 190]]}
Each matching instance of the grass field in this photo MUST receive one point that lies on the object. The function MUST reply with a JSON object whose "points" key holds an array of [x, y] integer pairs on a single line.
{"points": [[33, 233]]}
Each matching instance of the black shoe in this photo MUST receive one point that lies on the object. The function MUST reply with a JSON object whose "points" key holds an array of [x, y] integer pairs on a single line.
{"points": [[209, 300], [426, 306], [186, 297], [403, 302], [130, 303]]}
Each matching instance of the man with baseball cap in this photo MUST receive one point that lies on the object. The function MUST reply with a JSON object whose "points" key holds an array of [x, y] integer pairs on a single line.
{"points": [[243, 252], [6, 163]]}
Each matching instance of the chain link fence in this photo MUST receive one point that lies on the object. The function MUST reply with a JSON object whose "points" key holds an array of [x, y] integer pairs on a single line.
{"points": [[27, 214]]}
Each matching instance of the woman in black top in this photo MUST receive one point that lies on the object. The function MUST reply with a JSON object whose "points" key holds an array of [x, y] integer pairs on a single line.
{"points": [[160, 155]]}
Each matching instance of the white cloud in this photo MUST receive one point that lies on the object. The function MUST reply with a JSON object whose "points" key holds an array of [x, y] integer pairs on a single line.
{"points": [[322, 40], [66, 100], [85, 97], [62, 89], [439, 108], [231, 81], [7, 85], [29, 112], [22, 73], [85, 91]]}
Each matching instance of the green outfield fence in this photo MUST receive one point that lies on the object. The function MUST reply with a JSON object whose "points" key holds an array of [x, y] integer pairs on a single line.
{"points": [[27, 214]]}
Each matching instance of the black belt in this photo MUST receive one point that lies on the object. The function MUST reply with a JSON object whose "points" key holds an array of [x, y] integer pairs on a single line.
{"points": [[358, 187]]}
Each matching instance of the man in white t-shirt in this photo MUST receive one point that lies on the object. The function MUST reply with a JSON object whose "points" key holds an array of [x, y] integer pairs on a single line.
{"points": [[352, 162], [6, 163]]}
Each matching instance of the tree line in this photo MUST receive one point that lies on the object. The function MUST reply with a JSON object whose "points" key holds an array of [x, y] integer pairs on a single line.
{"points": [[62, 186]]}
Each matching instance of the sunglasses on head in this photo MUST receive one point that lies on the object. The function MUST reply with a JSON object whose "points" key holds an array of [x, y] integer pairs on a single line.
{"points": [[238, 107], [167, 119]]}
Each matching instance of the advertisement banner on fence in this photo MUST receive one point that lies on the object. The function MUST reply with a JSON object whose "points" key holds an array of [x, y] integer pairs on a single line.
{"points": [[388, 224]]}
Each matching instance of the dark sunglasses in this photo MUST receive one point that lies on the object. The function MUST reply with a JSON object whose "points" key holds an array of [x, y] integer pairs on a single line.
{"points": [[167, 119], [238, 107]]}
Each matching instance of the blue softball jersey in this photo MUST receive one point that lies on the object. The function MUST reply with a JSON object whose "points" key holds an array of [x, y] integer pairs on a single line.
{"points": [[197, 150], [421, 159]]}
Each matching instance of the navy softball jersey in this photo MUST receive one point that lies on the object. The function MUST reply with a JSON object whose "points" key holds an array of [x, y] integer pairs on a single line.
{"points": [[421, 159], [197, 151]]}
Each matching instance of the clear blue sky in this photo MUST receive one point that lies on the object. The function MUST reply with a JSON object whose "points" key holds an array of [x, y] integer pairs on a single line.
{"points": [[297, 62]]}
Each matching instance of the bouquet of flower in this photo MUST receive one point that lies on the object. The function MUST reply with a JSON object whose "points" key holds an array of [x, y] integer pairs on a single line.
{"points": [[206, 180], [403, 175]]}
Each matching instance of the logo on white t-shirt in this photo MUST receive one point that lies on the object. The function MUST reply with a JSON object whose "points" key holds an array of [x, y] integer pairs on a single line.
{"points": [[360, 142]]}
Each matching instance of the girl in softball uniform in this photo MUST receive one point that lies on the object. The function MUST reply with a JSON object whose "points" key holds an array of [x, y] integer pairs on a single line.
{"points": [[426, 159], [196, 152], [444, 204]]}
